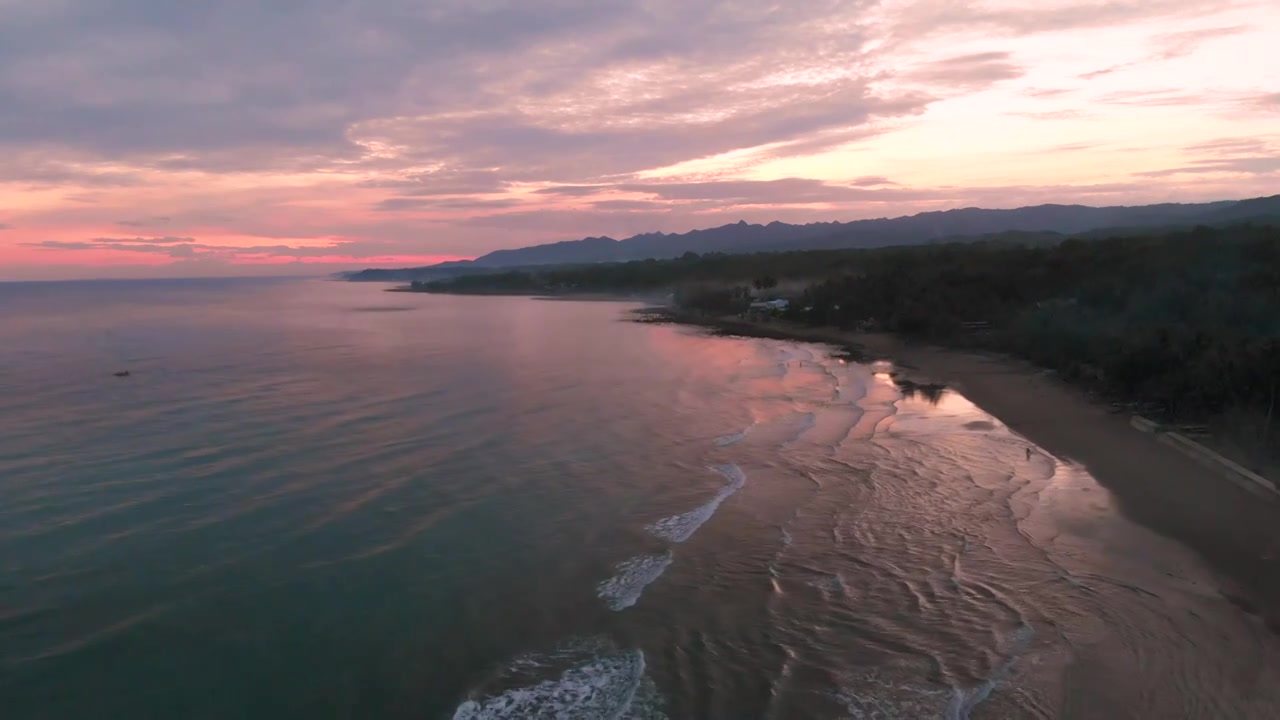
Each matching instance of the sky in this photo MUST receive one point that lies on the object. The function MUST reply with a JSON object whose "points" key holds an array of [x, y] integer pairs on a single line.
{"points": [[149, 138]]}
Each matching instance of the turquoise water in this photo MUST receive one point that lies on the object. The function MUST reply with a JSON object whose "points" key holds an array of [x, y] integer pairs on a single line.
{"points": [[316, 499]]}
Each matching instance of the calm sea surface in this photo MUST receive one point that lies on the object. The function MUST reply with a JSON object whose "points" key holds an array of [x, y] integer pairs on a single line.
{"points": [[320, 500]]}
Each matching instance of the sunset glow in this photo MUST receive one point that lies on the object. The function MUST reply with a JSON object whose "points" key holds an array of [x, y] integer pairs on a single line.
{"points": [[153, 138]]}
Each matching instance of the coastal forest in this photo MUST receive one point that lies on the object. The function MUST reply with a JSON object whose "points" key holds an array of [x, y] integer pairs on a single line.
{"points": [[1184, 323]]}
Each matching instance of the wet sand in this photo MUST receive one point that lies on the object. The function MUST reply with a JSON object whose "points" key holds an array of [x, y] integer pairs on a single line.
{"points": [[1236, 532]]}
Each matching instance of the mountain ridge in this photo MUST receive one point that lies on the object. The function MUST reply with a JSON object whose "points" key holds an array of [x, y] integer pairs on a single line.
{"points": [[920, 228]]}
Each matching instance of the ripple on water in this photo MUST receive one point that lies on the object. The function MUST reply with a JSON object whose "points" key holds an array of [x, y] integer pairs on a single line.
{"points": [[803, 424]]}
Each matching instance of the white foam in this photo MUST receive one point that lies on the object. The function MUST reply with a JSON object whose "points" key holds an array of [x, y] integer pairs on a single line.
{"points": [[630, 579], [873, 697], [679, 528], [963, 701], [733, 474], [883, 698], [734, 439], [602, 687]]}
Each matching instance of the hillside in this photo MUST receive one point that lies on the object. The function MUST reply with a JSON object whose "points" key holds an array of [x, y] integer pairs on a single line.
{"points": [[929, 227]]}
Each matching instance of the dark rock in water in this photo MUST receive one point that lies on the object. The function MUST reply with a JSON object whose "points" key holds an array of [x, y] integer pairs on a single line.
{"points": [[122, 373]]}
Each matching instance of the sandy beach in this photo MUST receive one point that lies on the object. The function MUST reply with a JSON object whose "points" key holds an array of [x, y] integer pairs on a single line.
{"points": [[1236, 532]]}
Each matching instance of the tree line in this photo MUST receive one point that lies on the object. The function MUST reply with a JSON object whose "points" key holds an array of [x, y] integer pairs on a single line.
{"points": [[1185, 322]]}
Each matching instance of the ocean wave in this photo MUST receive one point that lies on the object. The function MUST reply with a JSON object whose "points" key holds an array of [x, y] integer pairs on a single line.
{"points": [[873, 696], [964, 700], [630, 579], [598, 686], [734, 439], [92, 637], [679, 528], [733, 474]]}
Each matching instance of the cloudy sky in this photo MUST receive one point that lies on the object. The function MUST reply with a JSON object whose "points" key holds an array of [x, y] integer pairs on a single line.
{"points": [[163, 138]]}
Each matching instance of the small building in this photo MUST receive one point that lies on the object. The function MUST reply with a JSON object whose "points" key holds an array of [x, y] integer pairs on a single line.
{"points": [[763, 309], [778, 305]]}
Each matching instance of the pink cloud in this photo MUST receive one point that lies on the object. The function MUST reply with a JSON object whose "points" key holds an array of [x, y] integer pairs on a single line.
{"points": [[419, 136]]}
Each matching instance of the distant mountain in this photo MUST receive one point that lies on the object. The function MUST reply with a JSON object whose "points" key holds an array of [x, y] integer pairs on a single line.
{"points": [[742, 237], [1257, 209], [404, 275]]}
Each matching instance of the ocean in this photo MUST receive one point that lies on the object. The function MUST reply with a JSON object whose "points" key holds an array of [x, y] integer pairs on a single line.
{"points": [[319, 499]]}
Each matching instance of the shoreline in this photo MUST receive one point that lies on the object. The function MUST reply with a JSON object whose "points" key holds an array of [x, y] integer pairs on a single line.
{"points": [[600, 297], [1156, 486], [643, 298]]}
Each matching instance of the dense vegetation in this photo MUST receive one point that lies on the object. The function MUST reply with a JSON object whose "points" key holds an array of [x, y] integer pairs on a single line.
{"points": [[647, 276], [1186, 322]]}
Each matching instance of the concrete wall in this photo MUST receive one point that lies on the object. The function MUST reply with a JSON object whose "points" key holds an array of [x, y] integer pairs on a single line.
{"points": [[1143, 424], [1225, 467], [1229, 469]]}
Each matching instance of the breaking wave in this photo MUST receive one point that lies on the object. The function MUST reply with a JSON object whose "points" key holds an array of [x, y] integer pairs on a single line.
{"points": [[963, 701], [583, 682], [734, 439], [630, 579], [679, 528]]}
